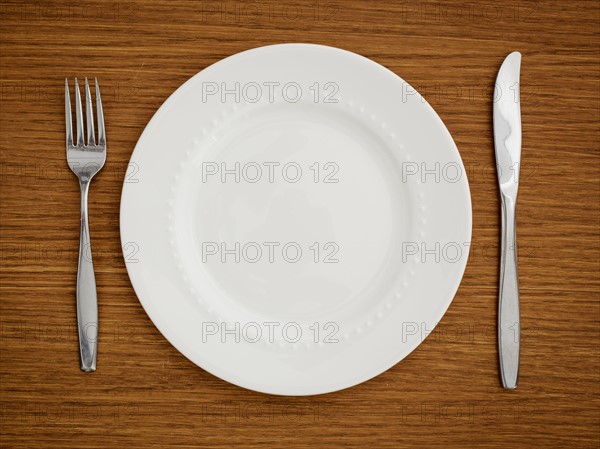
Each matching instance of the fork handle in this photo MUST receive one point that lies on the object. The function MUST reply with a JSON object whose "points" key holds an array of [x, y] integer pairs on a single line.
{"points": [[508, 304], [87, 298]]}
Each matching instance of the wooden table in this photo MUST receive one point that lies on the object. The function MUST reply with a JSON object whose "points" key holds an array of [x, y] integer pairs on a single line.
{"points": [[446, 393]]}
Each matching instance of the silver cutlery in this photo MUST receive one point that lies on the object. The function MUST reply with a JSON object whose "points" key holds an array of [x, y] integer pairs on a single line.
{"points": [[507, 141], [85, 158]]}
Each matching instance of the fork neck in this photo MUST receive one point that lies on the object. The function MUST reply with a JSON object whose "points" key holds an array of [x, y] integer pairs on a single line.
{"points": [[84, 186]]}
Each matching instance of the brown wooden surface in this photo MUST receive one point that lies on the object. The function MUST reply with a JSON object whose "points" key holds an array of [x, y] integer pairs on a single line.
{"points": [[446, 393]]}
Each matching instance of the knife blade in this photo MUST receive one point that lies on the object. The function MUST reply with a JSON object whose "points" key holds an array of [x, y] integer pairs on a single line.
{"points": [[507, 143]]}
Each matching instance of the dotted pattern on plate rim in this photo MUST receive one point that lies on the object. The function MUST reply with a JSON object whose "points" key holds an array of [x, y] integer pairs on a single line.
{"points": [[372, 122]]}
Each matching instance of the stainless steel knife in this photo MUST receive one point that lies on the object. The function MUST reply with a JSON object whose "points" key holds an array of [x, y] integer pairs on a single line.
{"points": [[507, 141]]}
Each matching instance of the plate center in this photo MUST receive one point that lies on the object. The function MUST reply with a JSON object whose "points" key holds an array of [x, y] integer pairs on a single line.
{"points": [[292, 212]]}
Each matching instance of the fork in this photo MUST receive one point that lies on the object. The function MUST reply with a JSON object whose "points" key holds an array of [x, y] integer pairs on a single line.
{"points": [[85, 160]]}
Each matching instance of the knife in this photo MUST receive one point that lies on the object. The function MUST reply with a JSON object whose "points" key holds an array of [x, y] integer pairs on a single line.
{"points": [[507, 142]]}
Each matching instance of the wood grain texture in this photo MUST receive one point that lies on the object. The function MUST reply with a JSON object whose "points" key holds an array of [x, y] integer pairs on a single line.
{"points": [[446, 393]]}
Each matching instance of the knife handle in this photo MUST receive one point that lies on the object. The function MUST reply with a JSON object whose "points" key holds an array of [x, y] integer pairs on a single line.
{"points": [[508, 304], [87, 298]]}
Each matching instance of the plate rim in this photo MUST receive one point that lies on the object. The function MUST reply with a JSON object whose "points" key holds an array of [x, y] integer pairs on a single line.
{"points": [[208, 366]]}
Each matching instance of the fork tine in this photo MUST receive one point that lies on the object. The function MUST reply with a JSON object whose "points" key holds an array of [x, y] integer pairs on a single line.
{"points": [[68, 118], [78, 114], [100, 112], [89, 115]]}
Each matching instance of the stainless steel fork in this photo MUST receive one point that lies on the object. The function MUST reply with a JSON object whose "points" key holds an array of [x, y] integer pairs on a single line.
{"points": [[85, 160]]}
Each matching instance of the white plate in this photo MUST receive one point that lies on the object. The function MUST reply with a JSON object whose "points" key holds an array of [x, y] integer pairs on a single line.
{"points": [[338, 189]]}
